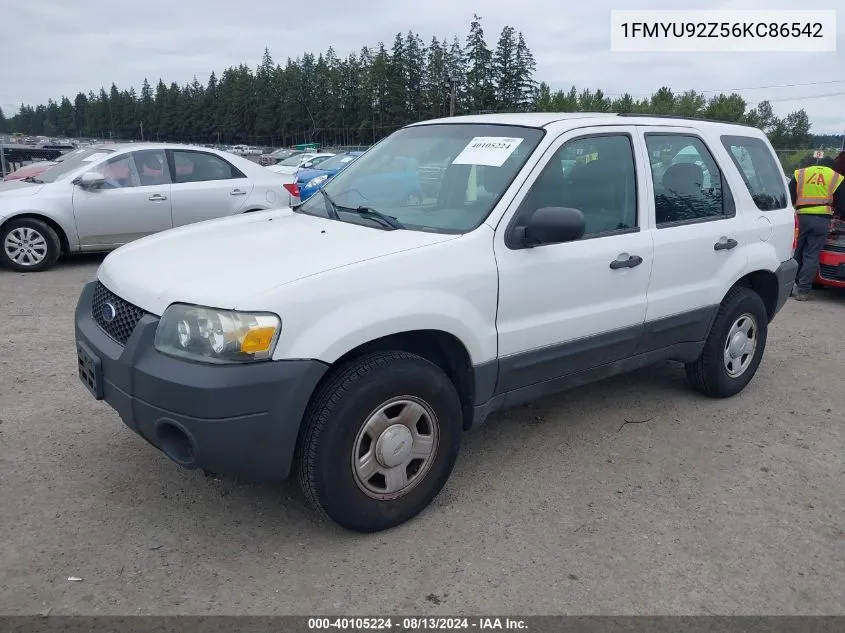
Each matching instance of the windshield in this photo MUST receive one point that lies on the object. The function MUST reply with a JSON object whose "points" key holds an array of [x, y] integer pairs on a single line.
{"points": [[285, 153], [336, 162], [70, 154], [295, 161], [439, 177], [71, 163]]}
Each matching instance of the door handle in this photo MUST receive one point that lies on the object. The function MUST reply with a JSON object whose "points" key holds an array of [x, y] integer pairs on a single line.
{"points": [[157, 197], [725, 244], [237, 192], [629, 262]]}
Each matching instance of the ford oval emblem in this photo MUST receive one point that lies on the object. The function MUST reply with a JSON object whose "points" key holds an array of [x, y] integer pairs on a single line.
{"points": [[108, 312]]}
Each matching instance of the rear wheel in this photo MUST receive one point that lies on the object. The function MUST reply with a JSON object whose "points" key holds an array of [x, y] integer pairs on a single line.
{"points": [[734, 347], [380, 440], [29, 245]]}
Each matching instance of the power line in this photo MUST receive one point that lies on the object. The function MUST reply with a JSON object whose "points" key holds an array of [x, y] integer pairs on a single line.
{"points": [[809, 83], [829, 94], [730, 90]]}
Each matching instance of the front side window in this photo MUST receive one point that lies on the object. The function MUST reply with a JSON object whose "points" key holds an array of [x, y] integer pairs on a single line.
{"points": [[119, 172], [438, 177], [72, 163], [201, 167], [594, 174], [688, 185], [760, 171], [151, 165]]}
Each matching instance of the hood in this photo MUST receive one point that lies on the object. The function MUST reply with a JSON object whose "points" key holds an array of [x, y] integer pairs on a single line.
{"points": [[18, 189], [222, 263]]}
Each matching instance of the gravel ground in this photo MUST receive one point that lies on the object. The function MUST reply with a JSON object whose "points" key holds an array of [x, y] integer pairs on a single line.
{"points": [[728, 507]]}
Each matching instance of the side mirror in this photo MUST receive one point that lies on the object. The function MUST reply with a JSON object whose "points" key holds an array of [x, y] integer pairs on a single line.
{"points": [[308, 165], [553, 225], [91, 180]]}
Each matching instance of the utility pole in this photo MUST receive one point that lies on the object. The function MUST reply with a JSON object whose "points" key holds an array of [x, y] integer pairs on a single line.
{"points": [[452, 95], [142, 130], [2, 159]]}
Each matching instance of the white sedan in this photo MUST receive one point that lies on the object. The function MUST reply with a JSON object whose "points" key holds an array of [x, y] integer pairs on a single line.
{"points": [[109, 195], [289, 166]]}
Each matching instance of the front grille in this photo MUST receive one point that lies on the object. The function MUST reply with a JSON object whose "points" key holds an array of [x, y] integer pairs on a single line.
{"points": [[831, 272], [835, 248], [116, 317]]}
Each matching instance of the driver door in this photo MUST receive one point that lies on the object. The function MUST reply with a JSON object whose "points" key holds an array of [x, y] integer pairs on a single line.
{"points": [[570, 307], [133, 202]]}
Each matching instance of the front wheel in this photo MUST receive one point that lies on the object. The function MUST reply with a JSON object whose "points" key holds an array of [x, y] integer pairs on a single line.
{"points": [[380, 440], [29, 245], [734, 347]]}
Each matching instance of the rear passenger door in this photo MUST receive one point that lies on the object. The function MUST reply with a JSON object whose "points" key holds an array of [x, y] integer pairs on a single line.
{"points": [[699, 237], [205, 186]]}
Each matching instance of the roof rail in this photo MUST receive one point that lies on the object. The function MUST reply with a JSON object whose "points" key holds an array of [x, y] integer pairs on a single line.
{"points": [[681, 117]]}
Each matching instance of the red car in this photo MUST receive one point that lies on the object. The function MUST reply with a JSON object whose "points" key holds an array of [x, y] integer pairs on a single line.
{"points": [[31, 170], [832, 258]]}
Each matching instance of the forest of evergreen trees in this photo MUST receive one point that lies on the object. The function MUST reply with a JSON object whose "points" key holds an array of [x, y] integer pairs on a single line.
{"points": [[362, 97]]}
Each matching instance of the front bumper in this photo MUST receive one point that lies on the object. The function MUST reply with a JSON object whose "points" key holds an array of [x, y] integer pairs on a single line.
{"points": [[240, 420], [785, 274], [831, 268]]}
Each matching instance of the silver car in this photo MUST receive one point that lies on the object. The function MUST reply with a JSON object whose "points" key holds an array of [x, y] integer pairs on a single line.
{"points": [[108, 195]]}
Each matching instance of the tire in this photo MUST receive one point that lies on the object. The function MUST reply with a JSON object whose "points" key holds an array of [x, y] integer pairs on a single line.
{"points": [[44, 245], [712, 374], [337, 430]]}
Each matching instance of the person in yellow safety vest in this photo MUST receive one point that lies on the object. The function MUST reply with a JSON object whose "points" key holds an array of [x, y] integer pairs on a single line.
{"points": [[817, 197]]}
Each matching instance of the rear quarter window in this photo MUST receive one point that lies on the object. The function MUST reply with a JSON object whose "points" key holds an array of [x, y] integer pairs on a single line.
{"points": [[761, 173]]}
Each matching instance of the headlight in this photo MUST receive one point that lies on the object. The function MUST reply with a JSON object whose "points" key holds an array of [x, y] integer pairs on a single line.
{"points": [[217, 336], [316, 181]]}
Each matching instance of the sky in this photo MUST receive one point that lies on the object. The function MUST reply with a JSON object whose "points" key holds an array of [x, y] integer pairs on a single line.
{"points": [[61, 47]]}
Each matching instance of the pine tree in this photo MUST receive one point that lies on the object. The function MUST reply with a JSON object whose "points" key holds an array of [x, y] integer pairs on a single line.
{"points": [[265, 116], [456, 68], [479, 77], [526, 86], [505, 73], [436, 81], [690, 104], [623, 105], [663, 101], [161, 128], [543, 98], [415, 75]]}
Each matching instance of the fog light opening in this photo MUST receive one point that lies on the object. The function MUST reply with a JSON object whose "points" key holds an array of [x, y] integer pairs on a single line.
{"points": [[176, 444]]}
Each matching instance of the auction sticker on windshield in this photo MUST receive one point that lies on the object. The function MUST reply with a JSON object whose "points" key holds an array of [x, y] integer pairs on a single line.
{"points": [[491, 151]]}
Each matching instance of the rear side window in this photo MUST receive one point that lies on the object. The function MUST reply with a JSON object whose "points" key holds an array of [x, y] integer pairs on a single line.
{"points": [[760, 171], [193, 166], [688, 186]]}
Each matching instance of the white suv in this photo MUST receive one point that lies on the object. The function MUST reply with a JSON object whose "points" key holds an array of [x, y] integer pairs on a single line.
{"points": [[355, 337]]}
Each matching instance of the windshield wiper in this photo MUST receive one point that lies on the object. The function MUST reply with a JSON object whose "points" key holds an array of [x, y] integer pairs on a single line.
{"points": [[331, 207], [388, 220], [33, 179]]}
